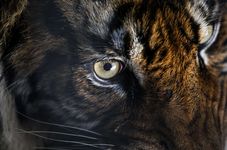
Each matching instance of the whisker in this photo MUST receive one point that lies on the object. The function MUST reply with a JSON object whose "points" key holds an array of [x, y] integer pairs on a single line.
{"points": [[60, 133], [50, 132], [59, 125], [15, 83], [50, 148], [103, 144], [62, 141]]}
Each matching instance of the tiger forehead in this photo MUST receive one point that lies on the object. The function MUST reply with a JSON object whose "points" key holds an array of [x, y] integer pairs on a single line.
{"points": [[128, 41], [100, 14], [137, 33], [117, 18]]}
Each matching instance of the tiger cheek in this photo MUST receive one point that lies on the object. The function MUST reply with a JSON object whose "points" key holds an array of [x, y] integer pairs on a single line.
{"points": [[116, 75], [86, 88]]}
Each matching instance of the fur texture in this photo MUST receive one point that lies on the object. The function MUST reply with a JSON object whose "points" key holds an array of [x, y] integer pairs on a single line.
{"points": [[170, 93]]}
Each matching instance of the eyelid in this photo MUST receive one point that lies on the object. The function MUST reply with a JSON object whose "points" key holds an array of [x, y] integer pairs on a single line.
{"points": [[120, 59]]}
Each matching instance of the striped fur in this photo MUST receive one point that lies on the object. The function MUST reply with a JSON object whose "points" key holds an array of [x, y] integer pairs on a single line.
{"points": [[170, 93]]}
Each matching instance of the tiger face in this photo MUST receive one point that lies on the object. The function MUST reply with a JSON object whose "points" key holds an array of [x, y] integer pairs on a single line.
{"points": [[120, 75]]}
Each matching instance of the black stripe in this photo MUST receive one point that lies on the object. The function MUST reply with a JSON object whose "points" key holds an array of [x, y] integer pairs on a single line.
{"points": [[224, 61], [174, 8], [162, 54], [127, 45], [149, 53], [225, 42], [119, 16]]}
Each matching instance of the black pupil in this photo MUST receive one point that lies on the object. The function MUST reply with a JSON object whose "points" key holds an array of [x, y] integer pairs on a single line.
{"points": [[107, 66]]}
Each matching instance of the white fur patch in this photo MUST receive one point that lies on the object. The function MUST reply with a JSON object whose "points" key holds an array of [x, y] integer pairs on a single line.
{"points": [[137, 47]]}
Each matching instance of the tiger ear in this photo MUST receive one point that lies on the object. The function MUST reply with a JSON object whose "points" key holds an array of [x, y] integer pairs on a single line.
{"points": [[10, 12]]}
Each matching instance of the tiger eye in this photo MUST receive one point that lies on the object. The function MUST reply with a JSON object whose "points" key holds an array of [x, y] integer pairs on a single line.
{"points": [[107, 69], [206, 34]]}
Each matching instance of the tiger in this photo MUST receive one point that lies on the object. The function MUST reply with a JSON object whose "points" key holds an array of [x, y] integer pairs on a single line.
{"points": [[113, 74]]}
